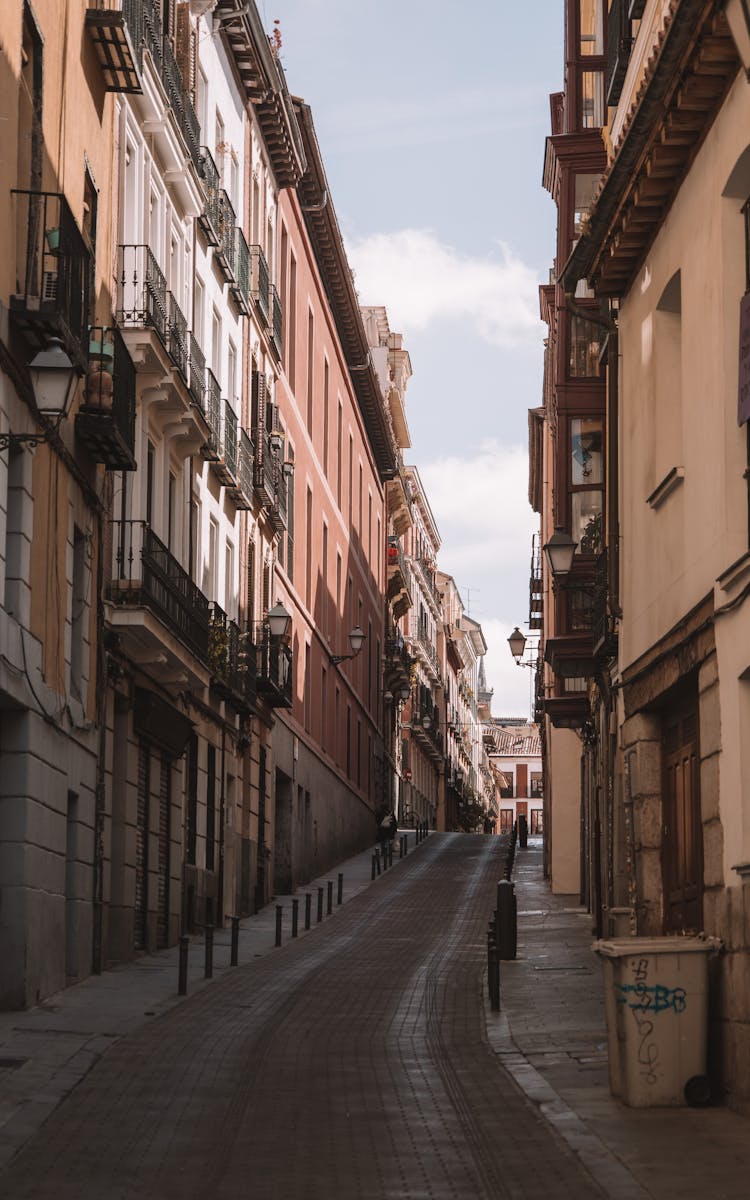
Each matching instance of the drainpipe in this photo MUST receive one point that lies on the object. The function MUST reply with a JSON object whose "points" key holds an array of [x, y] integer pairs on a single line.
{"points": [[100, 789]]}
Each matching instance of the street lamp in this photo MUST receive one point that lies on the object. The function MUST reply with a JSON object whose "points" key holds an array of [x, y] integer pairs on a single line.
{"points": [[356, 640], [52, 378], [517, 643], [560, 550], [279, 621]]}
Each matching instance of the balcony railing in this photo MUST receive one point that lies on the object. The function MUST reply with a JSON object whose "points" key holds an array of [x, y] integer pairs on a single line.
{"points": [[274, 680], [428, 575], [210, 218], [224, 251], [603, 621], [146, 574], [177, 336], [245, 457], [179, 100], [231, 658], [52, 273], [105, 422], [229, 439], [265, 469], [275, 321], [241, 271], [259, 279], [141, 291], [116, 29], [197, 373], [212, 412]]}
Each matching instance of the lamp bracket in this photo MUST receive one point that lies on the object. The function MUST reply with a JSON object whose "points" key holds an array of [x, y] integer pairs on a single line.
{"points": [[16, 439]]}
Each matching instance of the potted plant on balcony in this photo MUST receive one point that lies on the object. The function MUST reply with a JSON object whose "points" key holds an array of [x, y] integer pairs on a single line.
{"points": [[52, 237]]}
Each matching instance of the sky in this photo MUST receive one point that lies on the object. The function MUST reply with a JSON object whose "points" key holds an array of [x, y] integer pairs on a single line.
{"points": [[431, 120]]}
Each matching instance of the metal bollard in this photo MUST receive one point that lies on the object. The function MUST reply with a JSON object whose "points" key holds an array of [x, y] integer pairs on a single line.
{"points": [[401, 846], [208, 965], [340, 892], [279, 917], [235, 951], [320, 904], [406, 844], [390, 854], [377, 859], [506, 920], [493, 976], [384, 856], [295, 916], [329, 902], [182, 968], [373, 867], [308, 908]]}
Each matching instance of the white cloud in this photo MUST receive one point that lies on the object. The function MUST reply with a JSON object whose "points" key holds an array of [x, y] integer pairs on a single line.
{"points": [[422, 280], [486, 524]]}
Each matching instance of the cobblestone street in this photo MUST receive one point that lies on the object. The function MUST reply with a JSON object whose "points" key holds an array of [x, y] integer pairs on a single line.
{"points": [[353, 1063]]}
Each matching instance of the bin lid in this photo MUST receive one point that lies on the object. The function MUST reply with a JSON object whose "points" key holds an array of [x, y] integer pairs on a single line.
{"points": [[669, 944]]}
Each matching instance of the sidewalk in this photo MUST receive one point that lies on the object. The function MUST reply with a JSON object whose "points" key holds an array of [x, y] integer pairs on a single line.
{"points": [[551, 1036], [45, 1051]]}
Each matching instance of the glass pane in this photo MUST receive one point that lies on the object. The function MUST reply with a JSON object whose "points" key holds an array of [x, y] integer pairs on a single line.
{"points": [[584, 348], [592, 99], [586, 512], [592, 26], [583, 194], [586, 450]]}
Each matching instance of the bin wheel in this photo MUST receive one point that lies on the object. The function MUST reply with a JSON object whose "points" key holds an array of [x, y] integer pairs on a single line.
{"points": [[697, 1091]]}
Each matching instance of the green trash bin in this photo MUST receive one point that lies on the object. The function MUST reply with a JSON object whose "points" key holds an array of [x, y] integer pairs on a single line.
{"points": [[656, 1003]]}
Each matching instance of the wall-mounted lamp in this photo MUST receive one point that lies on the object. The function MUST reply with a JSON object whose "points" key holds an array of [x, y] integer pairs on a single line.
{"points": [[276, 441], [279, 621], [52, 379], [356, 641], [560, 550], [517, 642]]}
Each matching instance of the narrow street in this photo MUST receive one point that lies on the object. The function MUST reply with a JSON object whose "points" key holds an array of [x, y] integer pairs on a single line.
{"points": [[351, 1064]]}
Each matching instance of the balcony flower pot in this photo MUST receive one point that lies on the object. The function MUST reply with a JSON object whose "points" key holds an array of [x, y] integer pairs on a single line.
{"points": [[393, 554], [52, 237], [98, 388]]}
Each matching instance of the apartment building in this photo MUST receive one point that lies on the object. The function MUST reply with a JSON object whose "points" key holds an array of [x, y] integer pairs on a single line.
{"points": [[516, 754], [664, 250]]}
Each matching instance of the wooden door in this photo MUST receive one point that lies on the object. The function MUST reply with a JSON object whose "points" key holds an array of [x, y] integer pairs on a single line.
{"points": [[141, 845], [682, 835]]}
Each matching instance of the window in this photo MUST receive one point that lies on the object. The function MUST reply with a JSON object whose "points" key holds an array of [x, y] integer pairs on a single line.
{"points": [[172, 513], [351, 477], [150, 471], [308, 547], [591, 27], [339, 466], [289, 481], [219, 146], [213, 557], [536, 786], [587, 462], [325, 417], [211, 808], [592, 100], [584, 187], [323, 706], [584, 348], [324, 588], [291, 357], [79, 614], [229, 586], [198, 307], [310, 347], [307, 688], [232, 396], [537, 822], [506, 820]]}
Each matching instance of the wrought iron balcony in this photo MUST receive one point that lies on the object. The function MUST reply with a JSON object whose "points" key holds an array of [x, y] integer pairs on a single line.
{"points": [[146, 574], [603, 621], [141, 291], [232, 659], [265, 474], [240, 288], [177, 337], [212, 413], [274, 680], [105, 422], [116, 30], [259, 280], [226, 463], [197, 384], [52, 273], [427, 572], [276, 322], [224, 251], [179, 101], [210, 219], [242, 491]]}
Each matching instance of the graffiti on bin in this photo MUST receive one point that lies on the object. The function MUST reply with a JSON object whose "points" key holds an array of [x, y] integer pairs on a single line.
{"points": [[656, 998]]}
